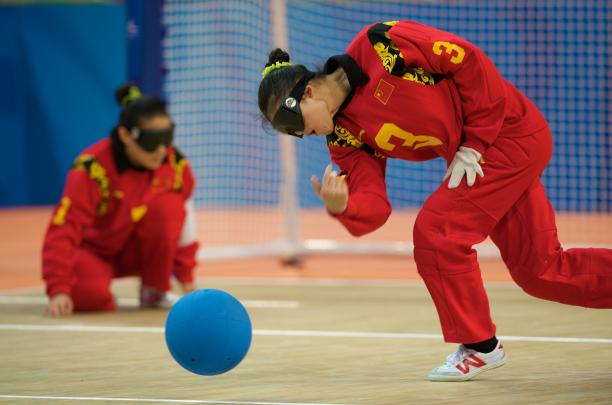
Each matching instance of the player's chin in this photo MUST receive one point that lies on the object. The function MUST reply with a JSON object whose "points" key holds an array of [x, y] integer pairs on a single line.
{"points": [[325, 130], [154, 164]]}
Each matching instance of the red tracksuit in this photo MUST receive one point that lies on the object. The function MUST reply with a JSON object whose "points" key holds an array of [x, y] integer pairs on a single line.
{"points": [[419, 93], [115, 220]]}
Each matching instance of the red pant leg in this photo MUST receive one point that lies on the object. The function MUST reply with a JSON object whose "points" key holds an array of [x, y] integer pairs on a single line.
{"points": [[444, 232], [151, 250], [91, 292], [452, 221], [541, 266]]}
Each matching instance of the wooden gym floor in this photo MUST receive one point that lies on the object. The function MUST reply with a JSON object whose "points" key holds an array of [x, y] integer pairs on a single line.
{"points": [[337, 330]]}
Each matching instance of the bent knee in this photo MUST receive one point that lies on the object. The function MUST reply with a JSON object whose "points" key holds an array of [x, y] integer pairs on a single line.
{"points": [[426, 230]]}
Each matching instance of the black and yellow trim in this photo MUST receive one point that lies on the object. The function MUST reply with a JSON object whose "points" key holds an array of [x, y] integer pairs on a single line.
{"points": [[178, 161], [392, 58], [98, 174], [62, 210], [344, 138]]}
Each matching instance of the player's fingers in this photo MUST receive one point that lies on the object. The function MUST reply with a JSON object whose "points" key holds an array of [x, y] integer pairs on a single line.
{"points": [[331, 186], [479, 170], [69, 307], [52, 310], [316, 186], [328, 170], [448, 173], [471, 177], [328, 185], [450, 170], [342, 186], [327, 176], [62, 308], [334, 185], [455, 178]]}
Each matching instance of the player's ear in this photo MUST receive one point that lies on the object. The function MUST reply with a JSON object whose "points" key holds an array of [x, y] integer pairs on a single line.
{"points": [[308, 91], [124, 134]]}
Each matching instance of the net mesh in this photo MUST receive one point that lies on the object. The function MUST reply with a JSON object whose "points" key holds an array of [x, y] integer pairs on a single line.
{"points": [[556, 52], [213, 52]]}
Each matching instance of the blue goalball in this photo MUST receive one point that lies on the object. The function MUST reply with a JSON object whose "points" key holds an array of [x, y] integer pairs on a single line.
{"points": [[208, 332]]}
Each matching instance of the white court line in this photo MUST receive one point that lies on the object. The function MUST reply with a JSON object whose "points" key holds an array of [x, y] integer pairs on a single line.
{"points": [[210, 282], [309, 282], [330, 282], [133, 302], [300, 333], [172, 401], [270, 304]]}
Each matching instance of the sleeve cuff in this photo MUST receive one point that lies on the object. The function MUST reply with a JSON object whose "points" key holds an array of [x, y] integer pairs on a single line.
{"points": [[350, 211], [59, 289], [475, 144]]}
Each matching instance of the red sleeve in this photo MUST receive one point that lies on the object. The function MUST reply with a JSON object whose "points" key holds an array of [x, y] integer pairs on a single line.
{"points": [[76, 210], [481, 87], [368, 206], [185, 259]]}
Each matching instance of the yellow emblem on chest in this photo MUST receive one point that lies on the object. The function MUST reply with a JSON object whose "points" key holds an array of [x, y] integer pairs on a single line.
{"points": [[138, 212]]}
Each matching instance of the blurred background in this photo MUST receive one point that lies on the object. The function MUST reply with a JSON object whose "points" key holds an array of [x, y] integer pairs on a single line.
{"points": [[60, 63]]}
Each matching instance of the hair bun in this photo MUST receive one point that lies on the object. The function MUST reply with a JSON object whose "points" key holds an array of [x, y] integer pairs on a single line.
{"points": [[277, 55], [126, 94]]}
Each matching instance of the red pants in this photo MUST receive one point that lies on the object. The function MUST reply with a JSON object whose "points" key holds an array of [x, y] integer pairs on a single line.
{"points": [[509, 204], [149, 253]]}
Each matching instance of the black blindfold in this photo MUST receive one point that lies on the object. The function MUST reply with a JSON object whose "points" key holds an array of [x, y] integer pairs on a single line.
{"points": [[288, 118], [150, 140]]}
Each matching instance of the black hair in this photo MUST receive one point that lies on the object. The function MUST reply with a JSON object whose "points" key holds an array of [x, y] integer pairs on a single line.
{"points": [[278, 83], [136, 106]]}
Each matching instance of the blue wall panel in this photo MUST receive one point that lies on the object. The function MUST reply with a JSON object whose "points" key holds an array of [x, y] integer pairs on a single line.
{"points": [[59, 67]]}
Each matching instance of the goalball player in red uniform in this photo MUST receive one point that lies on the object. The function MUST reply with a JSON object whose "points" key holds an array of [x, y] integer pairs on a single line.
{"points": [[408, 91], [125, 211]]}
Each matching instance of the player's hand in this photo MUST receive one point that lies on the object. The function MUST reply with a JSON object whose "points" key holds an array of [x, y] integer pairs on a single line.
{"points": [[465, 163], [188, 287], [332, 190], [59, 305]]}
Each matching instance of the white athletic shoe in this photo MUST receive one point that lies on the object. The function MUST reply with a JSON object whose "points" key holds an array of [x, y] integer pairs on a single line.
{"points": [[466, 364], [153, 298]]}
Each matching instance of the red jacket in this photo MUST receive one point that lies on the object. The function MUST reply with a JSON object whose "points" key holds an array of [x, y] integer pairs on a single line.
{"points": [[103, 200], [417, 93]]}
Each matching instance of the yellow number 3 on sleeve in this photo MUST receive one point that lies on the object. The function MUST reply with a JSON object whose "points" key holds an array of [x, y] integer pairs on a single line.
{"points": [[449, 48]]}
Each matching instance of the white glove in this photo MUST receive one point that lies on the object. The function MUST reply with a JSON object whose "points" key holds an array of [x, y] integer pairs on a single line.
{"points": [[465, 163], [189, 234]]}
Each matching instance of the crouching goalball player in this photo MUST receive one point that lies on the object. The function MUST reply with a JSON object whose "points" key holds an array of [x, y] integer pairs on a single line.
{"points": [[125, 211]]}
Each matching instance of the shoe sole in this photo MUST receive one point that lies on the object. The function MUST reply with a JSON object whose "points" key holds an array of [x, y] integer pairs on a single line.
{"points": [[466, 377]]}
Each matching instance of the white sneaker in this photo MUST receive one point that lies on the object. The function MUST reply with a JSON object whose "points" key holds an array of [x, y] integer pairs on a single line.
{"points": [[153, 298], [466, 364]]}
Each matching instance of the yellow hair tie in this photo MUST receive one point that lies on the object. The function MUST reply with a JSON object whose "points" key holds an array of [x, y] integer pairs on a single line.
{"points": [[133, 94], [276, 65]]}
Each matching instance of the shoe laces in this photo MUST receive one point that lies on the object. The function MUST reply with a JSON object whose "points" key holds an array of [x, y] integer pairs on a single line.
{"points": [[457, 356]]}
